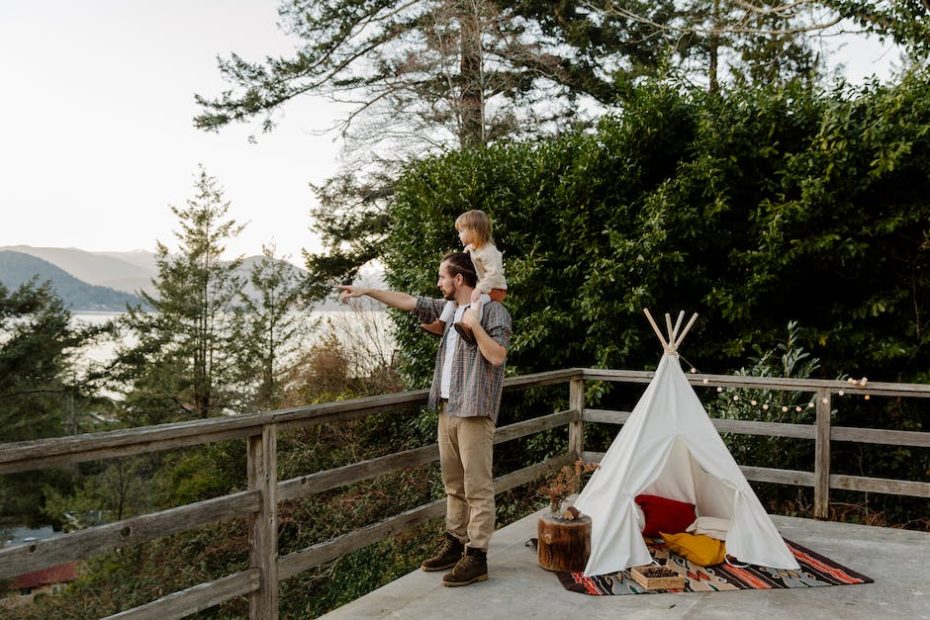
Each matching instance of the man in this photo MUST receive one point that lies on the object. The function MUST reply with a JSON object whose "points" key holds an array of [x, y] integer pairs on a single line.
{"points": [[466, 392]]}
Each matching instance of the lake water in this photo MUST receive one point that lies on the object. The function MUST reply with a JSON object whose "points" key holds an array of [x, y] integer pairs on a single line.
{"points": [[365, 334]]}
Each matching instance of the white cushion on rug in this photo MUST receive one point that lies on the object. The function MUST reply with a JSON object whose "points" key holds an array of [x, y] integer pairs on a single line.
{"points": [[710, 526]]}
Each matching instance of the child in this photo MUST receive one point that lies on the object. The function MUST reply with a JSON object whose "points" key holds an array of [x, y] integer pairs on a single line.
{"points": [[474, 228]]}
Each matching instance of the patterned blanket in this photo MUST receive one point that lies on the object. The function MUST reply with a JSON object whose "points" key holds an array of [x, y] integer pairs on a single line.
{"points": [[816, 570]]}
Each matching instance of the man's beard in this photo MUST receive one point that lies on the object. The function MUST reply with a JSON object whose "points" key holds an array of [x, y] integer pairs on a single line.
{"points": [[450, 296]]}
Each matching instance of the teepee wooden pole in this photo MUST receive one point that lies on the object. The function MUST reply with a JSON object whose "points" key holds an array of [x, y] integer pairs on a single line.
{"points": [[681, 315], [655, 328], [668, 325], [685, 331]]}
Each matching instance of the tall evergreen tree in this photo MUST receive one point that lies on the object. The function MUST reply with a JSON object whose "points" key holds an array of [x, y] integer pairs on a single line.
{"points": [[434, 72], [421, 76], [182, 364], [42, 391], [271, 328]]}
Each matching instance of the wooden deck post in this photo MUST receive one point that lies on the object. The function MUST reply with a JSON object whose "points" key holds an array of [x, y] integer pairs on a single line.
{"points": [[822, 456], [576, 426], [263, 538]]}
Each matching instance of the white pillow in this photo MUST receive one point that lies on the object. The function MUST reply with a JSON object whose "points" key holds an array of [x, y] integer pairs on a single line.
{"points": [[640, 516], [710, 526]]}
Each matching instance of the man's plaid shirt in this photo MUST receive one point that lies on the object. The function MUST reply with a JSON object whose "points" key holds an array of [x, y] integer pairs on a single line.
{"points": [[476, 385]]}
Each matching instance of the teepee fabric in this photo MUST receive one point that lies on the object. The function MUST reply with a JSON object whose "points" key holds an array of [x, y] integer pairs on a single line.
{"points": [[669, 447]]}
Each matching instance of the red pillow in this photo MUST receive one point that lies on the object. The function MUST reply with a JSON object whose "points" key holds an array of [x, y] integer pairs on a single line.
{"points": [[665, 515]]}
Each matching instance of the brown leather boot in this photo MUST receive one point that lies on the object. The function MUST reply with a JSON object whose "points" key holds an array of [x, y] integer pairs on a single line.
{"points": [[465, 332], [436, 328], [471, 568], [449, 553]]}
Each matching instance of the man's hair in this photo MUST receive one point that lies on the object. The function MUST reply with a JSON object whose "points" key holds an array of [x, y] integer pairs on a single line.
{"points": [[460, 263], [478, 223]]}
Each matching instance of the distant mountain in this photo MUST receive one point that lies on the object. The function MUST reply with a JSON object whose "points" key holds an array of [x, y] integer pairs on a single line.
{"points": [[17, 268], [140, 258], [123, 271], [132, 272]]}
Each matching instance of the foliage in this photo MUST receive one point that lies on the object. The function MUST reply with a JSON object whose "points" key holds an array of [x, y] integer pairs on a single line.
{"points": [[753, 208], [726, 41], [117, 492], [906, 22], [786, 359], [565, 482], [43, 392], [40, 386]]}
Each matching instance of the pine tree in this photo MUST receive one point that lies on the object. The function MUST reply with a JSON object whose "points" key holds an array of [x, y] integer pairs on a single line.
{"points": [[40, 387], [271, 328], [183, 362], [42, 391]]}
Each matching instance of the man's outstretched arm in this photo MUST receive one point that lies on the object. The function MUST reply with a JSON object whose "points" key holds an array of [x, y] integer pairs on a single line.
{"points": [[401, 301]]}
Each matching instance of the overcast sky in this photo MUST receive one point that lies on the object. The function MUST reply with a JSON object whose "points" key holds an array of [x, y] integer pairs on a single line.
{"points": [[97, 135]]}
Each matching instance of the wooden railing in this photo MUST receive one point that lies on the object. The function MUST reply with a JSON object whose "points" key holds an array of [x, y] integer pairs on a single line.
{"points": [[259, 502]]}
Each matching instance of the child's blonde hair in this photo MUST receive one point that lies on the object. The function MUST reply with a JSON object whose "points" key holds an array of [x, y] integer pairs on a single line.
{"points": [[478, 223]]}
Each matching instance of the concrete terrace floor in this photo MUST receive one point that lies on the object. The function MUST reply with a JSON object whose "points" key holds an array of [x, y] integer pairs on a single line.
{"points": [[898, 561]]}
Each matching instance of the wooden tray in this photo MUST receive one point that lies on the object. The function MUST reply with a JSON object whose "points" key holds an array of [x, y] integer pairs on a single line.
{"points": [[653, 577]]}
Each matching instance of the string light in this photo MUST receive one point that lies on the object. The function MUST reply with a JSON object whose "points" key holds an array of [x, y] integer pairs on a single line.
{"points": [[860, 383]]}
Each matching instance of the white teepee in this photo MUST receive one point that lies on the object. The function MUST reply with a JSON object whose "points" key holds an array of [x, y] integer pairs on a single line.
{"points": [[669, 447]]}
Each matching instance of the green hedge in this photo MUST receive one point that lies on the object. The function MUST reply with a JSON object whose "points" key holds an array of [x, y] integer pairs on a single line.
{"points": [[752, 208]]}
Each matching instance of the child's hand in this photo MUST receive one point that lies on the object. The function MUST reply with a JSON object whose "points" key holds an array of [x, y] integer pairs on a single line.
{"points": [[475, 296]]}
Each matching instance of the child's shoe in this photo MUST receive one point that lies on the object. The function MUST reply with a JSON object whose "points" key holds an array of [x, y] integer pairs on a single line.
{"points": [[437, 327], [465, 332]]}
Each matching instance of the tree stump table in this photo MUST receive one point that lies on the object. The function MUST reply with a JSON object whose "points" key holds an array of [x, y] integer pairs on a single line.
{"points": [[564, 544]]}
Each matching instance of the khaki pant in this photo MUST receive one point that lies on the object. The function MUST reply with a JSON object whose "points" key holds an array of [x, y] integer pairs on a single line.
{"points": [[465, 450]]}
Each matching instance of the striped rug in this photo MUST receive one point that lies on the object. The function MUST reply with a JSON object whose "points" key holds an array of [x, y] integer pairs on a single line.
{"points": [[816, 570]]}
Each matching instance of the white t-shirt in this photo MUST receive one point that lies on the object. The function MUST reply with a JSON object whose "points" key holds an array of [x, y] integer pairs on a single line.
{"points": [[452, 339]]}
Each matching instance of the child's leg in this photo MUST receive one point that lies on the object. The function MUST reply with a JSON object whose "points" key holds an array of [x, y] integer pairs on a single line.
{"points": [[438, 327], [478, 306]]}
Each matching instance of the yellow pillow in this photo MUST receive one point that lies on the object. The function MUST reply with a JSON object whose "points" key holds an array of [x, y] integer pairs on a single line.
{"points": [[699, 549]]}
